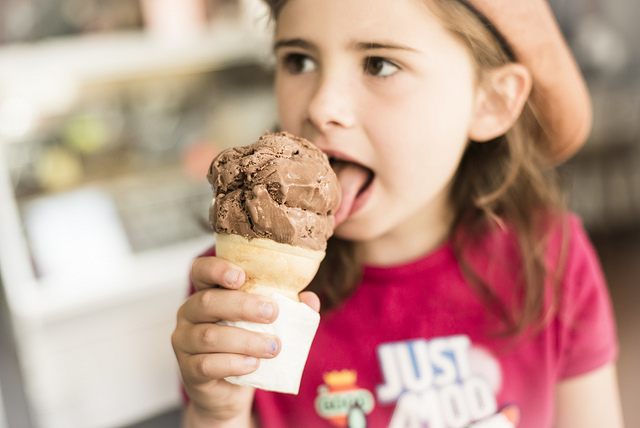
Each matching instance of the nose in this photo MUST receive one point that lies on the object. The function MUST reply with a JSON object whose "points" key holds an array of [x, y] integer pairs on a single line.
{"points": [[332, 104]]}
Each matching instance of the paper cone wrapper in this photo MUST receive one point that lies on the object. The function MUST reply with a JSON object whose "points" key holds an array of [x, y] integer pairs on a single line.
{"points": [[280, 271], [296, 326]]}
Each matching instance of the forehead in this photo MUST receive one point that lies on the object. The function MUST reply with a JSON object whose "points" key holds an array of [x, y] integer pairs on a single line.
{"points": [[396, 19]]}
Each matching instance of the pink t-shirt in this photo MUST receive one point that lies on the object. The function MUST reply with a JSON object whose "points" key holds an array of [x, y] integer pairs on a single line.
{"points": [[414, 346]]}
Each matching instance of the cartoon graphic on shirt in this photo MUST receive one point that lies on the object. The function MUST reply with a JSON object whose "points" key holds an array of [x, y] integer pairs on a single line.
{"points": [[508, 417], [356, 417], [442, 383], [342, 402]]}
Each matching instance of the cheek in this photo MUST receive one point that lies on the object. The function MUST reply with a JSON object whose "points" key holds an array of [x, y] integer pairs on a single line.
{"points": [[430, 131], [433, 107], [290, 105], [421, 144]]}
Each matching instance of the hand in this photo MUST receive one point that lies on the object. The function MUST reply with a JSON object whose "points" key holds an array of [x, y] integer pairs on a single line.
{"points": [[208, 352]]}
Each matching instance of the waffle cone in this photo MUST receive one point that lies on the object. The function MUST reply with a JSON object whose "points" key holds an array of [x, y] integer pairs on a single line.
{"points": [[270, 267]]}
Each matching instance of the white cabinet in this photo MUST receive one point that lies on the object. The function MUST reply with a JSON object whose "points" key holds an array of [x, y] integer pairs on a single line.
{"points": [[94, 340]]}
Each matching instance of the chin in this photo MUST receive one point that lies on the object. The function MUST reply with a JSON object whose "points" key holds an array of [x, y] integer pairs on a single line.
{"points": [[358, 231]]}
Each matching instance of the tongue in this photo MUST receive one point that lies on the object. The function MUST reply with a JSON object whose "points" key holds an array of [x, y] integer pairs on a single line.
{"points": [[352, 179]]}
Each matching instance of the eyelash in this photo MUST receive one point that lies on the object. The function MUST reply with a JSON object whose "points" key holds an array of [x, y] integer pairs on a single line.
{"points": [[294, 64], [369, 60]]}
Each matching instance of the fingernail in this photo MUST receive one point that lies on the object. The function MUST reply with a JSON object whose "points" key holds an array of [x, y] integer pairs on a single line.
{"points": [[232, 276], [271, 346], [266, 310], [251, 361]]}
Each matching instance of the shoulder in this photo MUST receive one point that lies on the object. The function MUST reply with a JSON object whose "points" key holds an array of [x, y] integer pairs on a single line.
{"points": [[554, 234], [561, 245], [582, 273], [571, 255], [567, 233], [586, 324]]}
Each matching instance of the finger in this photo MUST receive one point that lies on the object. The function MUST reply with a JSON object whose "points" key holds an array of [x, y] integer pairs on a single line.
{"points": [[215, 304], [201, 368], [209, 338], [207, 272], [310, 299]]}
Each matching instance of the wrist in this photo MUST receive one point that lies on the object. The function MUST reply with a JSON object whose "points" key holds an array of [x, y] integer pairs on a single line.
{"points": [[197, 418]]}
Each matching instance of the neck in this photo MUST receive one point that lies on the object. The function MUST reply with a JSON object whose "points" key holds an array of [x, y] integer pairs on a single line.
{"points": [[409, 241]]}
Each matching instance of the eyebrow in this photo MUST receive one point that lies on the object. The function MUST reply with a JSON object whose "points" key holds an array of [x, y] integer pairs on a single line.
{"points": [[294, 43], [359, 46], [365, 46]]}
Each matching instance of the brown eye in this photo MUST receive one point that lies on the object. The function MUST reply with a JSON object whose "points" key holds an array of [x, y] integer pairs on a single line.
{"points": [[298, 63], [377, 66]]}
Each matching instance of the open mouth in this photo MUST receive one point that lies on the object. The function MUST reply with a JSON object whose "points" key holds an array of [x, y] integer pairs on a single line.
{"points": [[355, 182]]}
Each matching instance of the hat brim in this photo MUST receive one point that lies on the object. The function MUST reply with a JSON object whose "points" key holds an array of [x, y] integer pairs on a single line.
{"points": [[560, 98]]}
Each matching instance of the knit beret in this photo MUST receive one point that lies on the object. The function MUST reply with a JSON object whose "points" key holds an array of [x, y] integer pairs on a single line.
{"points": [[560, 98]]}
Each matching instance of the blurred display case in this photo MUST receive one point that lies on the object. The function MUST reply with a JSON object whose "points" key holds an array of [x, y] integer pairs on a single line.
{"points": [[603, 179], [110, 113]]}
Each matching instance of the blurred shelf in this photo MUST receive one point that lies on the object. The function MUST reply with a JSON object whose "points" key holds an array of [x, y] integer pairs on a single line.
{"points": [[161, 271], [121, 56], [51, 74]]}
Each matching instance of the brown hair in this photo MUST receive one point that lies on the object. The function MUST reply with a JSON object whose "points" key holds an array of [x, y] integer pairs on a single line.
{"points": [[502, 182]]}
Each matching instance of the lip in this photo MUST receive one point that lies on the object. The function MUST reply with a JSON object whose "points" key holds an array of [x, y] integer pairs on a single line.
{"points": [[341, 156]]}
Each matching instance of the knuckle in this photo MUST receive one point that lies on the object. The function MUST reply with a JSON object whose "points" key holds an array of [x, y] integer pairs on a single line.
{"points": [[175, 339], [234, 366], [181, 312], [178, 337], [193, 266], [206, 298], [202, 367], [209, 335], [245, 304], [229, 366], [247, 343]]}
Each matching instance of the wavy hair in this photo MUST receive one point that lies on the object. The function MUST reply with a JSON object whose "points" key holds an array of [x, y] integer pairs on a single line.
{"points": [[504, 183]]}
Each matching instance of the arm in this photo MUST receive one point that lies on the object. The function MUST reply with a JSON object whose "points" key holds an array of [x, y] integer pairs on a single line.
{"points": [[195, 418], [591, 400], [208, 352], [587, 393]]}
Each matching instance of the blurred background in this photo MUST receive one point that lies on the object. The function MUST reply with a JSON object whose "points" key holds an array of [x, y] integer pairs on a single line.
{"points": [[110, 112]]}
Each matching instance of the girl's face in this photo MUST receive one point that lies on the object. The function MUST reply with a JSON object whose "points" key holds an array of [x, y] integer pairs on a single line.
{"points": [[387, 92]]}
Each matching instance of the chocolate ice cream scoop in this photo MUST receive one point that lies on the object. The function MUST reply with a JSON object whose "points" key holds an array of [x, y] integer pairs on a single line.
{"points": [[281, 188]]}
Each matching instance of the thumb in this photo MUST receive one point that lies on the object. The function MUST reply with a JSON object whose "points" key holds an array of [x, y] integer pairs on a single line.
{"points": [[310, 299]]}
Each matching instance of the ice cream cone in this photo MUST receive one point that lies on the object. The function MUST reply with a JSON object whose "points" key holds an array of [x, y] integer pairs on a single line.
{"points": [[270, 267], [282, 187], [280, 271]]}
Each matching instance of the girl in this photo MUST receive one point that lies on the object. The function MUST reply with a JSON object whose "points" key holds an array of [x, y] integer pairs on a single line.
{"points": [[455, 291]]}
